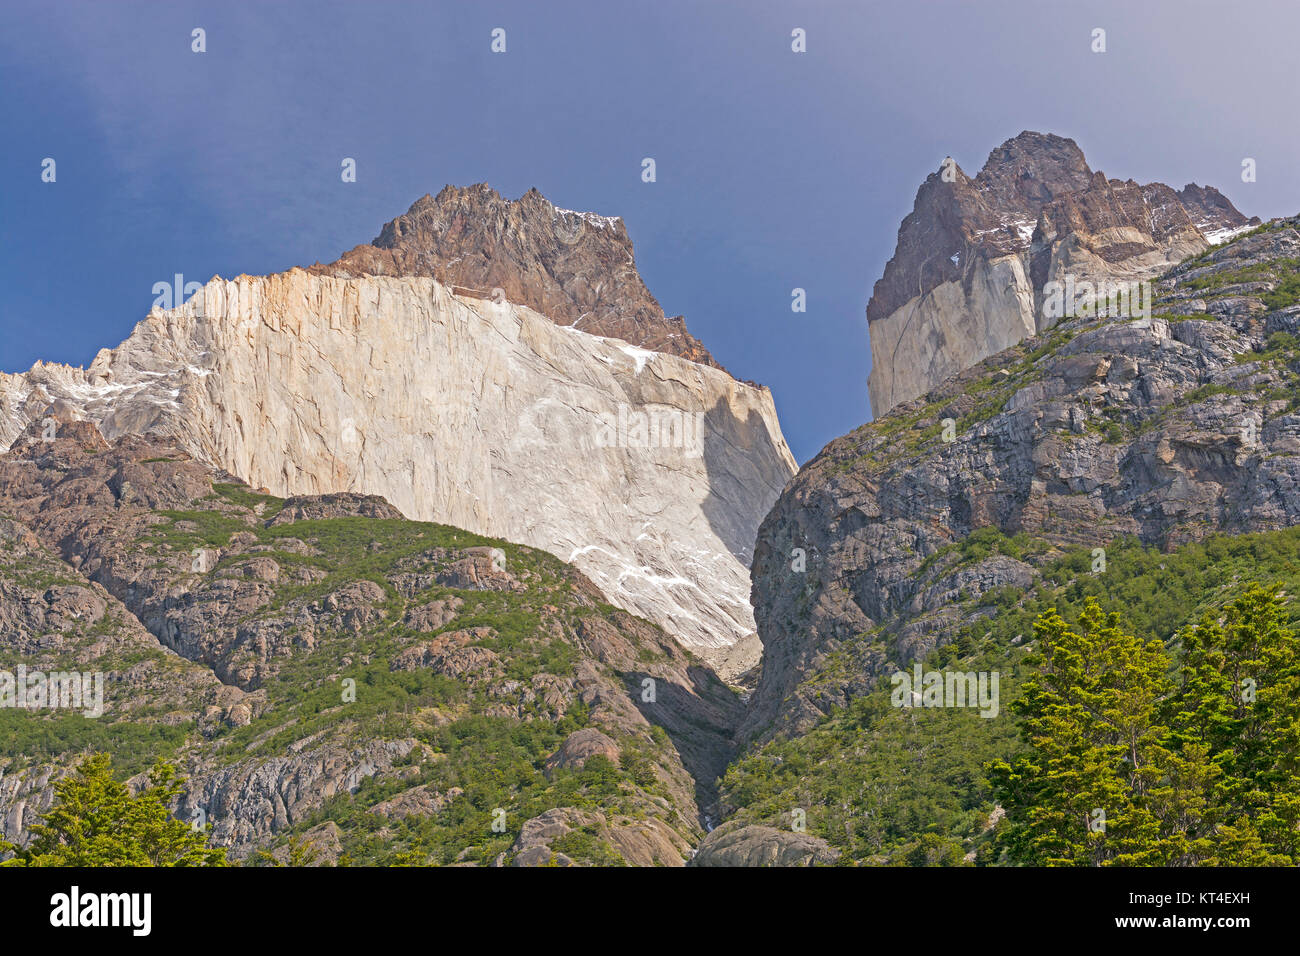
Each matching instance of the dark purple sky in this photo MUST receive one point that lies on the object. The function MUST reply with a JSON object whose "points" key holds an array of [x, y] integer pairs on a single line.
{"points": [[776, 170]]}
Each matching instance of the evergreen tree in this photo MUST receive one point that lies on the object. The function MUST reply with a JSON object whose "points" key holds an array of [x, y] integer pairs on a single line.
{"points": [[1241, 696], [96, 821], [1126, 765], [1077, 796]]}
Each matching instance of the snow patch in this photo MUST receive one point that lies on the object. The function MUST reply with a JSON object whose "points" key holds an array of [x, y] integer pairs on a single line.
{"points": [[1217, 237], [638, 355], [600, 222]]}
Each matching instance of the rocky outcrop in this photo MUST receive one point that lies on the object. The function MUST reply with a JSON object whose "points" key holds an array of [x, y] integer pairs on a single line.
{"points": [[1166, 429], [648, 470], [973, 259], [757, 845], [420, 801], [453, 655], [1212, 213], [632, 842], [318, 507], [579, 747], [249, 801], [319, 846]]}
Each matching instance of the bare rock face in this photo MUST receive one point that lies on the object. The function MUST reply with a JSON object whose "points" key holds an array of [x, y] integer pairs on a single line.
{"points": [[576, 268], [967, 278], [250, 799], [646, 469], [757, 845]]}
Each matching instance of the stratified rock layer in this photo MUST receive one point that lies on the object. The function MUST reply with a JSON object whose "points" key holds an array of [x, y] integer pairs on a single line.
{"points": [[967, 278]]}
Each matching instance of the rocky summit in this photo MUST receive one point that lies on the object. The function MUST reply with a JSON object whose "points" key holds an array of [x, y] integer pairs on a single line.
{"points": [[494, 365], [575, 268], [975, 255]]}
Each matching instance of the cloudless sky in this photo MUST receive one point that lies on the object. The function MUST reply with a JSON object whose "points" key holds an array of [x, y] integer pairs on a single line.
{"points": [[775, 170]]}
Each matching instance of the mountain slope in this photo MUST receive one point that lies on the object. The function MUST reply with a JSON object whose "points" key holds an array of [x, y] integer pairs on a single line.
{"points": [[1165, 429], [884, 785], [414, 681]]}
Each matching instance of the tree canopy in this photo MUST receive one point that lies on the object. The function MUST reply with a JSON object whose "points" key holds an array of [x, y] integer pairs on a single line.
{"points": [[1137, 757], [95, 820]]}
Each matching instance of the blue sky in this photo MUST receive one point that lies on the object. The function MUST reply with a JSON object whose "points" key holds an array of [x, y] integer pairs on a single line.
{"points": [[776, 170]]}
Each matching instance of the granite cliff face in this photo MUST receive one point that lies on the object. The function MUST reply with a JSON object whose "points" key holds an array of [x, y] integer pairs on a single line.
{"points": [[648, 470], [973, 257], [1163, 429]]}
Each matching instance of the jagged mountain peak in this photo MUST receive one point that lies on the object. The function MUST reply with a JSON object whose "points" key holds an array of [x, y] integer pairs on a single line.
{"points": [[576, 268], [973, 257], [1031, 169], [532, 219], [486, 202]]}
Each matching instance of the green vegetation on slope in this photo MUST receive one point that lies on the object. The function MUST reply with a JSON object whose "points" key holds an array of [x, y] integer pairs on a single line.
{"points": [[904, 786], [481, 738]]}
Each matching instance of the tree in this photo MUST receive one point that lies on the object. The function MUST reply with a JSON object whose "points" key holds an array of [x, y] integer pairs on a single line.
{"points": [[1241, 696], [935, 849], [1089, 717], [299, 852], [1133, 761], [96, 821]]}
